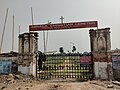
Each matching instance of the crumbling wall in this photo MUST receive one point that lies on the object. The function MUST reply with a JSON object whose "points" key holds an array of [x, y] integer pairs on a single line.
{"points": [[116, 66], [102, 65], [100, 44], [8, 63], [100, 39], [28, 47]]}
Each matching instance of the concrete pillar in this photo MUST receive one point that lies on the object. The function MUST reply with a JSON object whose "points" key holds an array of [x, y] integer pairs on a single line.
{"points": [[100, 44], [28, 47]]}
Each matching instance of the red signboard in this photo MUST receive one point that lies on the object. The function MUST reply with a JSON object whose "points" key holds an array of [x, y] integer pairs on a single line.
{"points": [[59, 26], [85, 59]]}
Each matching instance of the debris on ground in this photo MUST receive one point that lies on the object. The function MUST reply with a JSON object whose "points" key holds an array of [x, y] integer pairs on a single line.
{"points": [[28, 82]]}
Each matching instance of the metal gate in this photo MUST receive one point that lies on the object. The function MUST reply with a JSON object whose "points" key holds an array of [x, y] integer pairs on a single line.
{"points": [[71, 65]]}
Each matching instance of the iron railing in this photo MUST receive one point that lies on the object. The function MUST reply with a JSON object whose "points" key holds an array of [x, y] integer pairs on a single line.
{"points": [[71, 65]]}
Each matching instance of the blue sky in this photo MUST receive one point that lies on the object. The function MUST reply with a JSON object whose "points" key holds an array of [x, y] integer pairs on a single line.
{"points": [[106, 12]]}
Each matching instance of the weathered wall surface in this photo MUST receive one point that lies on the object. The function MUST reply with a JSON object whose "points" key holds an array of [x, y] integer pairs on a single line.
{"points": [[28, 47], [102, 62], [100, 44], [8, 62], [116, 66], [101, 71], [100, 39], [14, 59]]}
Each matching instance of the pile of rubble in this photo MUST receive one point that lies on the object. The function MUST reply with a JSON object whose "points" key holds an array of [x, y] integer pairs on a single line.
{"points": [[107, 84], [25, 82], [13, 78], [15, 81]]}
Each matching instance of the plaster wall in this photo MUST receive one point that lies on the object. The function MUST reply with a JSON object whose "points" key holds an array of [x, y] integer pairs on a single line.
{"points": [[28, 70], [101, 70], [28, 48]]}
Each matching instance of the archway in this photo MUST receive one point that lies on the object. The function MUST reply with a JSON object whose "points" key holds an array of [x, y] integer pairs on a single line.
{"points": [[71, 65]]}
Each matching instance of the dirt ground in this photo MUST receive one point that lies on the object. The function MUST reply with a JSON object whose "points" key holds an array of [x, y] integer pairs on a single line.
{"points": [[17, 82]]}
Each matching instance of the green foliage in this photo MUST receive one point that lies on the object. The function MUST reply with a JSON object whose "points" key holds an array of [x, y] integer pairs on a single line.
{"points": [[61, 50], [74, 49]]}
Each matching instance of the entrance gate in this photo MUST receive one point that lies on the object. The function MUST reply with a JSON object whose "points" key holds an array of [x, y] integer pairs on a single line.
{"points": [[71, 65], [65, 65]]}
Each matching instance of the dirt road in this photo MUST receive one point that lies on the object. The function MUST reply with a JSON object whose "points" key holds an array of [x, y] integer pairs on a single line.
{"points": [[21, 83], [57, 85]]}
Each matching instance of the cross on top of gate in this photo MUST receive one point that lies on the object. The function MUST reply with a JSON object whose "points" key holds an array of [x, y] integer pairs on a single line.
{"points": [[61, 18]]}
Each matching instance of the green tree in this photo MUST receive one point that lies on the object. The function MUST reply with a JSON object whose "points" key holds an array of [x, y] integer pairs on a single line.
{"points": [[74, 49], [61, 50]]}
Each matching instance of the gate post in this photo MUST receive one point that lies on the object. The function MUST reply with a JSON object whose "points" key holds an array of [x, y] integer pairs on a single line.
{"points": [[28, 48], [100, 45]]}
